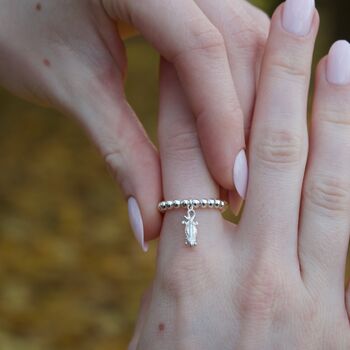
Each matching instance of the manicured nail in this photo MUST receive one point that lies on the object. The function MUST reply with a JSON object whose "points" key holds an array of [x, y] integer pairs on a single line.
{"points": [[240, 173], [298, 15], [338, 63], [136, 222]]}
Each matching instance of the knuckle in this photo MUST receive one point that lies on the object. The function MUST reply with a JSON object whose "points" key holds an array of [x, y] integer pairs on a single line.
{"points": [[329, 194], [204, 39], [247, 39], [289, 67], [116, 155], [261, 295], [114, 159], [259, 18], [246, 31], [279, 148], [336, 115], [183, 145], [243, 35]]}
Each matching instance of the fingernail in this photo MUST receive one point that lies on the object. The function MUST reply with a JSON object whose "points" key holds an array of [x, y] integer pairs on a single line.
{"points": [[240, 173], [136, 222], [298, 15], [338, 63]]}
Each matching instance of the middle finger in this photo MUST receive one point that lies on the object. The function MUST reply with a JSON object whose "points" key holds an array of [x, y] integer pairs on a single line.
{"points": [[278, 146]]}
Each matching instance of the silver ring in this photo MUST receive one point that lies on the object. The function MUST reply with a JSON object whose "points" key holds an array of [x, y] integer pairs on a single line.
{"points": [[189, 219], [196, 203]]}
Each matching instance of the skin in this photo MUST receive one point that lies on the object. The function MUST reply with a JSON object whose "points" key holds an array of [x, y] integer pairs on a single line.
{"points": [[276, 280], [68, 55]]}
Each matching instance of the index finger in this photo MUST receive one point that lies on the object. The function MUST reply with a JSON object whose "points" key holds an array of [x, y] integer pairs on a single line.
{"points": [[185, 36]]}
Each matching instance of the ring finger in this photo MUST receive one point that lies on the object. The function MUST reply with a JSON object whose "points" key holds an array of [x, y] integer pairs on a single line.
{"points": [[325, 221]]}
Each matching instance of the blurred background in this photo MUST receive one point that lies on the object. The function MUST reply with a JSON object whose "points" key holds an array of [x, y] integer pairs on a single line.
{"points": [[71, 273]]}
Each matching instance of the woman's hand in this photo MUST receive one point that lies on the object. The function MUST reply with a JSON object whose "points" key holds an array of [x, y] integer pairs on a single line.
{"points": [[275, 281], [69, 55]]}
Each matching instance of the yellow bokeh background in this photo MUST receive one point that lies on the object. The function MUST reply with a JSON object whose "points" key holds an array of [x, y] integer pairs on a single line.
{"points": [[71, 273]]}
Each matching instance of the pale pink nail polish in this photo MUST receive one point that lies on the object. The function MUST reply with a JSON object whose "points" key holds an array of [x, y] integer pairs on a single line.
{"points": [[298, 15], [338, 63], [240, 173], [136, 222]]}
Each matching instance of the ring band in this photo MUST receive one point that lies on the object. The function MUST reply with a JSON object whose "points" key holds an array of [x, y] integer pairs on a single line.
{"points": [[196, 203], [189, 219]]}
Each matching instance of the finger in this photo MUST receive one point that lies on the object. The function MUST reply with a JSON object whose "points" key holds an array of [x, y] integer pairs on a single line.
{"points": [[245, 29], [131, 157], [278, 145], [185, 36], [141, 319], [184, 172], [184, 271], [325, 220], [183, 167]]}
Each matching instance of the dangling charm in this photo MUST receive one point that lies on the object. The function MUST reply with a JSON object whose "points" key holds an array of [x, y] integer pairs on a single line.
{"points": [[190, 227], [189, 219]]}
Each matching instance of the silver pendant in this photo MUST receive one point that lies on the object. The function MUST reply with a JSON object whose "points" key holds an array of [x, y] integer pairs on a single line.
{"points": [[190, 227]]}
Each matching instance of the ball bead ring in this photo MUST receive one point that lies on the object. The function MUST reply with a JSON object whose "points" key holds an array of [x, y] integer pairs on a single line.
{"points": [[195, 203]]}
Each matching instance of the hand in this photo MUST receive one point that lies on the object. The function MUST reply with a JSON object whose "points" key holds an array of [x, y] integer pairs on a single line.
{"points": [[67, 54], [276, 280]]}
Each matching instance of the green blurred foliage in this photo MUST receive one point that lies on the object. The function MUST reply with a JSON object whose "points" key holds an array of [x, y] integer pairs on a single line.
{"points": [[71, 273]]}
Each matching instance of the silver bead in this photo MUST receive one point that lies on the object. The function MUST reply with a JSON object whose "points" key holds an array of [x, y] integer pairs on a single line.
{"points": [[211, 203], [184, 203], [176, 203], [204, 203], [196, 203], [162, 206], [169, 204], [217, 203]]}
